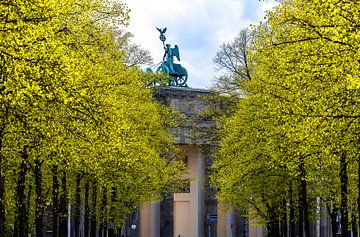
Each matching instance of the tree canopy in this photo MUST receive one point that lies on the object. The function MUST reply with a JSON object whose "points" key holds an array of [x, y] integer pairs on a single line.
{"points": [[76, 118], [293, 137]]}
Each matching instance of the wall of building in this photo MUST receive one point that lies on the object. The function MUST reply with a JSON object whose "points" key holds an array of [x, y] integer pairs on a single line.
{"points": [[194, 213]]}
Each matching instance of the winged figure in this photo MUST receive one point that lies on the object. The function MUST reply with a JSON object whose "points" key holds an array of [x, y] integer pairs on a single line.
{"points": [[162, 31]]}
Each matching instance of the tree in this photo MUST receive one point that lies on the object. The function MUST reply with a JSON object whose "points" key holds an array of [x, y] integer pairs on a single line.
{"points": [[71, 108], [231, 60], [134, 54], [304, 92]]}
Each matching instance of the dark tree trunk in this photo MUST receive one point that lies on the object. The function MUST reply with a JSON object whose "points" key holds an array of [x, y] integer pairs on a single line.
{"points": [[2, 206], [358, 199], [304, 207], [21, 218], [344, 193], [28, 203], [77, 205], [284, 229], [103, 214], [2, 192], [354, 225], [272, 227], [292, 212], [55, 199], [334, 224], [87, 209], [301, 214], [93, 208], [63, 231], [113, 206], [39, 201]]}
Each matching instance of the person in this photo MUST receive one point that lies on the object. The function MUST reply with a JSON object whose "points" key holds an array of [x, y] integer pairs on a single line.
{"points": [[169, 57]]}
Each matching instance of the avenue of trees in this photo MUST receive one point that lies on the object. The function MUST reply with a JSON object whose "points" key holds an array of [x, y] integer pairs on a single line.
{"points": [[78, 127], [290, 133]]}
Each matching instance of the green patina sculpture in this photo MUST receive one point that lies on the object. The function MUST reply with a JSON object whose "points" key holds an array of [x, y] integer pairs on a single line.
{"points": [[176, 73]]}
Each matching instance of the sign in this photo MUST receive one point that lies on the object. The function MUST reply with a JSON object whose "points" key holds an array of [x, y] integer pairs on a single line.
{"points": [[212, 218]]}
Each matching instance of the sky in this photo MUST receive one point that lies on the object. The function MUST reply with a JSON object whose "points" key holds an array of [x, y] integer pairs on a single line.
{"points": [[198, 27]]}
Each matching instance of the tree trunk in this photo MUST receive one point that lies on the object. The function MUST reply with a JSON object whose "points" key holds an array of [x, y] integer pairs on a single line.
{"points": [[87, 210], [354, 224], [2, 206], [334, 225], [114, 203], [77, 205], [284, 229], [63, 231], [21, 217], [344, 193], [55, 199], [103, 214], [94, 207], [273, 226], [358, 199], [292, 212], [39, 201], [301, 213], [2, 192], [304, 207]]}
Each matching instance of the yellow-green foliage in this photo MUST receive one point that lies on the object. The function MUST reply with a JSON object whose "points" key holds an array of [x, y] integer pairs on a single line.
{"points": [[68, 99], [300, 108]]}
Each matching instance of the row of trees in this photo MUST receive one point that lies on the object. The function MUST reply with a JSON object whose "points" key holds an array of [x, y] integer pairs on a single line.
{"points": [[290, 137], [77, 125]]}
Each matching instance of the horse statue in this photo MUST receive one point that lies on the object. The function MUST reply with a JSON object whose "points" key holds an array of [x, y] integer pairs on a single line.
{"points": [[176, 73]]}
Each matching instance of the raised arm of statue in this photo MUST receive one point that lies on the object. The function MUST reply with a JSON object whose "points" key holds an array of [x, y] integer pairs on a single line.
{"points": [[177, 73]]}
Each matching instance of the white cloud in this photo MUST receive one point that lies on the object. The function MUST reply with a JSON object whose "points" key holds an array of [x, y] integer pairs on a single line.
{"points": [[197, 26], [268, 5]]}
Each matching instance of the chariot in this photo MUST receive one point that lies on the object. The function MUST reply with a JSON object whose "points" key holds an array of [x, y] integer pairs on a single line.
{"points": [[176, 73]]}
